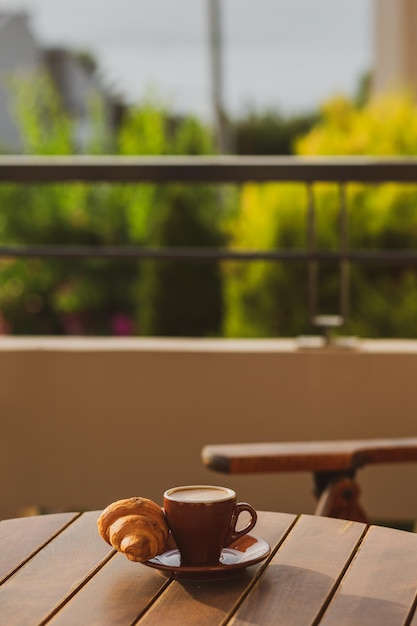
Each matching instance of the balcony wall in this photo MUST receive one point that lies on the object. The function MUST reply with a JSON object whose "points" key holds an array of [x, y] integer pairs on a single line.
{"points": [[88, 421]]}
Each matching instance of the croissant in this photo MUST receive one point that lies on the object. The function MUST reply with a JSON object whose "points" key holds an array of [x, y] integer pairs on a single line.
{"points": [[137, 527]]}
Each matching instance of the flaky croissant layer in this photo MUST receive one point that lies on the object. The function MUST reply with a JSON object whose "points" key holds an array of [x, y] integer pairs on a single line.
{"points": [[137, 527]]}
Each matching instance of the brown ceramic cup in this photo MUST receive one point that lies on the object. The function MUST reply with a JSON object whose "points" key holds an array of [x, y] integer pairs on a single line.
{"points": [[202, 519]]}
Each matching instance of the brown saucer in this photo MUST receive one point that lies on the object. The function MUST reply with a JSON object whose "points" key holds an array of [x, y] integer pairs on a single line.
{"points": [[242, 553]]}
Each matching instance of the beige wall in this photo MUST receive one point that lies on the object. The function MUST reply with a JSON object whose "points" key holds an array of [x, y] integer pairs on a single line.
{"points": [[395, 45], [85, 422]]}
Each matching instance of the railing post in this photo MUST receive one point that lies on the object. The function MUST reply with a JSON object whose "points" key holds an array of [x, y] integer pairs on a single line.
{"points": [[343, 249], [312, 262], [328, 322]]}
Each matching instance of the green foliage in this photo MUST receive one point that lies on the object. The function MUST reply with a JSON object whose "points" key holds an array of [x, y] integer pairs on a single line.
{"points": [[255, 306], [100, 296], [180, 298], [46, 129], [58, 296], [269, 132], [384, 126], [183, 298], [271, 299], [254, 299]]}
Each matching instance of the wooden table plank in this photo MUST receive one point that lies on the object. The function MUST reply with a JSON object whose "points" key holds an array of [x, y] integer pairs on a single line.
{"points": [[321, 568], [116, 596], [209, 603], [380, 587], [302, 574], [53, 574], [23, 536]]}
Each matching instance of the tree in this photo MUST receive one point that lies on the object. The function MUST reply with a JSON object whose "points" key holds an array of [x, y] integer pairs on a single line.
{"points": [[102, 296], [271, 299]]}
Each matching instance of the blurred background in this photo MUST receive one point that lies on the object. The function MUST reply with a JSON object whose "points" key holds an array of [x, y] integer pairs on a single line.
{"points": [[275, 54], [202, 78]]}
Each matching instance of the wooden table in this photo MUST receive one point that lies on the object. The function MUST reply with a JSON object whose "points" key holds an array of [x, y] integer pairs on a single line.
{"points": [[55, 569]]}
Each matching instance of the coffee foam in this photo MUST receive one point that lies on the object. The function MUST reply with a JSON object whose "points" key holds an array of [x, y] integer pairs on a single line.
{"points": [[199, 493]]}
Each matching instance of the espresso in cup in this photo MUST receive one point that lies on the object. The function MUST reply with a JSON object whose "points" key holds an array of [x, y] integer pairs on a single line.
{"points": [[202, 519], [199, 494]]}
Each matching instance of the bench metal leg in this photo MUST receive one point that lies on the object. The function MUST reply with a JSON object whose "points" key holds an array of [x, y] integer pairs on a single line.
{"points": [[338, 496]]}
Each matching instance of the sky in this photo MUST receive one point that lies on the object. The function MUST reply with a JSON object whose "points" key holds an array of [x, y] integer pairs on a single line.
{"points": [[285, 54]]}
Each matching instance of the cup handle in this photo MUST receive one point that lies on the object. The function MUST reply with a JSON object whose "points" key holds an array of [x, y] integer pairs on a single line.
{"points": [[239, 508]]}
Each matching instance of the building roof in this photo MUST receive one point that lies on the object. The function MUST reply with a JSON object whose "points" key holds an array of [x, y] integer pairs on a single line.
{"points": [[6, 17]]}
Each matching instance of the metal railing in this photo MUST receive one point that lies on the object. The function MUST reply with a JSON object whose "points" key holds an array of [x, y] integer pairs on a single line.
{"points": [[225, 170]]}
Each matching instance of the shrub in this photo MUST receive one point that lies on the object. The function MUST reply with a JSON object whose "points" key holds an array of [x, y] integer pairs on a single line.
{"points": [[271, 299], [102, 296], [269, 132]]}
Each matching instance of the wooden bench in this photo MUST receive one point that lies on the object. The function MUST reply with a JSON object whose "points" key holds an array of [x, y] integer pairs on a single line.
{"points": [[333, 464]]}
